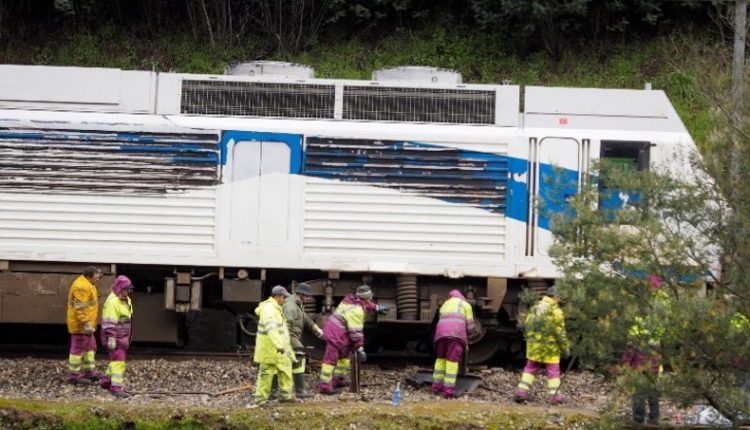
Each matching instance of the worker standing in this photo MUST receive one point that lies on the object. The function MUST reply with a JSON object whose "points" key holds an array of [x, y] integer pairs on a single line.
{"points": [[82, 314], [117, 314], [273, 350], [545, 341], [344, 334], [454, 327], [297, 320]]}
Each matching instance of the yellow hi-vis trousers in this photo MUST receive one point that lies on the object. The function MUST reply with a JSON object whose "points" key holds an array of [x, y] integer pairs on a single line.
{"points": [[266, 371], [445, 372]]}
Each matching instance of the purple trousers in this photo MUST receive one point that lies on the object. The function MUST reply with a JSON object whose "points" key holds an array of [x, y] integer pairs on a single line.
{"points": [[449, 349], [81, 358], [334, 353], [82, 343], [533, 367]]}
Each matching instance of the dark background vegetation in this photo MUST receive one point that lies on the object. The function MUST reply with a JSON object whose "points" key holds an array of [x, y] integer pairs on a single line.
{"points": [[594, 43]]}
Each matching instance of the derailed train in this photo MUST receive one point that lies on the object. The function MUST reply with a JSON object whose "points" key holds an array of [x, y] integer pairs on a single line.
{"points": [[207, 190]]}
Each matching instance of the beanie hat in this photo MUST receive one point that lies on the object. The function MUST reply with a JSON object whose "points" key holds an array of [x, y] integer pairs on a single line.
{"points": [[364, 292]]}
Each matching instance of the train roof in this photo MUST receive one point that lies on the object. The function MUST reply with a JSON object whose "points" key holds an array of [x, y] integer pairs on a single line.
{"points": [[106, 90]]}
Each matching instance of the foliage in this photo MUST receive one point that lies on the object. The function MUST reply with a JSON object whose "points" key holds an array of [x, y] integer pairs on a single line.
{"points": [[19, 414], [675, 224], [291, 26], [560, 25]]}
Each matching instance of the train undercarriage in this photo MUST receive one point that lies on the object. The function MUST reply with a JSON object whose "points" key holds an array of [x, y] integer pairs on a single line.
{"points": [[200, 308]]}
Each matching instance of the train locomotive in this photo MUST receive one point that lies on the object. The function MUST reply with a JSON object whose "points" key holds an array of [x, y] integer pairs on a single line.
{"points": [[207, 190]]}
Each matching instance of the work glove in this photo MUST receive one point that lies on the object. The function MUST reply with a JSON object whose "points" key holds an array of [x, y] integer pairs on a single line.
{"points": [[383, 309], [111, 344], [320, 335], [87, 328], [361, 354]]}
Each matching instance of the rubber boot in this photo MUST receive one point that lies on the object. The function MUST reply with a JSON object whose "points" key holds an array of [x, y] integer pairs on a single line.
{"points": [[557, 399], [521, 396], [105, 382], [299, 386], [437, 388], [92, 375]]}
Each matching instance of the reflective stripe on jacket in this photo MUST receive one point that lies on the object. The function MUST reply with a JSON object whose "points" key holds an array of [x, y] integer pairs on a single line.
{"points": [[346, 326], [545, 332], [456, 320], [273, 334], [297, 320], [83, 305], [117, 314]]}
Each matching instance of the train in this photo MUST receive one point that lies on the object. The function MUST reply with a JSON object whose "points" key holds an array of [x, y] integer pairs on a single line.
{"points": [[207, 190]]}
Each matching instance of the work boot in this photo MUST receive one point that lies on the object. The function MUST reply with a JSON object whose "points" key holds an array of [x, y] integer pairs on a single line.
{"points": [[521, 396], [92, 375], [325, 388], [556, 400], [299, 386], [78, 380], [105, 382], [449, 392], [437, 388], [119, 394]]}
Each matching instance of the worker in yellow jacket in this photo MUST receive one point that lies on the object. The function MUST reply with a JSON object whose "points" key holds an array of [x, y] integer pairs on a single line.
{"points": [[545, 342], [117, 314], [451, 340], [83, 307], [273, 349]]}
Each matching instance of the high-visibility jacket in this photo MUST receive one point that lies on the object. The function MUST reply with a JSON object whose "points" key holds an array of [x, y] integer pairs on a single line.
{"points": [[83, 305], [297, 320], [645, 331], [545, 332], [273, 334], [456, 320], [117, 314], [739, 325], [644, 336], [345, 328]]}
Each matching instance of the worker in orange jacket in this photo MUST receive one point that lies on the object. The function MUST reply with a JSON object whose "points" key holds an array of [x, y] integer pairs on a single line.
{"points": [[83, 308]]}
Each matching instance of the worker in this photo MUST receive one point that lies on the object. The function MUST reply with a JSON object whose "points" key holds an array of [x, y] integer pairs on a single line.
{"points": [[545, 342], [739, 332], [273, 349], [82, 314], [344, 334], [297, 320], [642, 353], [454, 327], [117, 314]]}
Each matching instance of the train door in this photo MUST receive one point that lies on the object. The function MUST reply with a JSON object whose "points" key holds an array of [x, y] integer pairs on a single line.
{"points": [[556, 167], [260, 183]]}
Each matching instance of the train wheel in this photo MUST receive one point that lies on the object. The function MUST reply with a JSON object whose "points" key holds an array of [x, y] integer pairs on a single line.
{"points": [[484, 349]]}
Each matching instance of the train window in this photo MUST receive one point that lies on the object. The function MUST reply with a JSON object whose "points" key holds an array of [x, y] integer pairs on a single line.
{"points": [[633, 154], [627, 152]]}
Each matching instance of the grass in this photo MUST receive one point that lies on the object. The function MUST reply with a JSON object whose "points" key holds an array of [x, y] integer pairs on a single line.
{"points": [[666, 62], [25, 414]]}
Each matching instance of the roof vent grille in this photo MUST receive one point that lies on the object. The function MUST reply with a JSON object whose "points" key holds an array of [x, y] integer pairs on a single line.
{"points": [[431, 105], [257, 99]]}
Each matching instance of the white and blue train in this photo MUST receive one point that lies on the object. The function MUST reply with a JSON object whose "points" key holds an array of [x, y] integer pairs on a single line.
{"points": [[206, 189]]}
